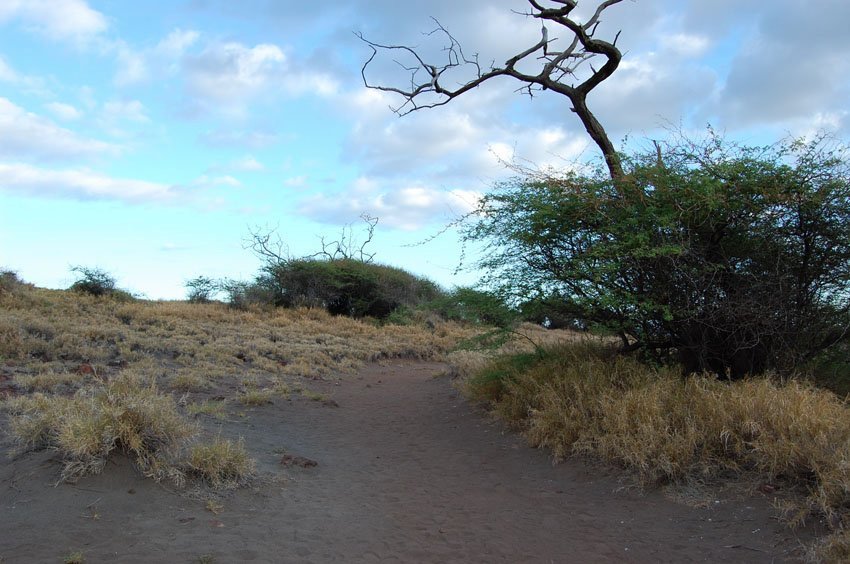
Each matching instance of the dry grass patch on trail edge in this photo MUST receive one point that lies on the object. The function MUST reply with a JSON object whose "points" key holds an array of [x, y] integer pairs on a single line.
{"points": [[126, 414], [222, 463], [581, 398]]}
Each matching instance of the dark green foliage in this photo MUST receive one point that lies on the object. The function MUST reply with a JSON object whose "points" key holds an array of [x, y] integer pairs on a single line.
{"points": [[474, 306], [831, 368], [729, 259], [549, 312], [94, 281], [345, 286], [489, 383]]}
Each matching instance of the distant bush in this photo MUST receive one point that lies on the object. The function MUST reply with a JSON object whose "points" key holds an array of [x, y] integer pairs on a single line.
{"points": [[93, 281], [202, 289], [345, 287], [10, 281], [240, 294]]}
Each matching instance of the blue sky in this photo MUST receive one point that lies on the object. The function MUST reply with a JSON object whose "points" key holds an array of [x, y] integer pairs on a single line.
{"points": [[147, 138]]}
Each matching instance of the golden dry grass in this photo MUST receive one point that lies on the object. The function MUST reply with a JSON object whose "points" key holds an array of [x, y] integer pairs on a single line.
{"points": [[221, 463], [126, 414], [43, 330], [581, 398], [95, 375]]}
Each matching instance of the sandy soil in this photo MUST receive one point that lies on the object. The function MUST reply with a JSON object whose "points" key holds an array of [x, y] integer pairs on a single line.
{"points": [[405, 471]]}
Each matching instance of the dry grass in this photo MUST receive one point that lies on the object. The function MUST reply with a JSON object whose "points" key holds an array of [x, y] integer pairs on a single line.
{"points": [[189, 346], [74, 558], [49, 381], [255, 397], [85, 375], [126, 414], [221, 463], [834, 548], [583, 399], [212, 408], [471, 360]]}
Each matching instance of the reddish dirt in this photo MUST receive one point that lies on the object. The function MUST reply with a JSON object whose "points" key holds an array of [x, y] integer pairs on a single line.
{"points": [[405, 471]]}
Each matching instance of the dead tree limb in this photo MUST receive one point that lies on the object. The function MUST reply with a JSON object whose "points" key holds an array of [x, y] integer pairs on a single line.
{"points": [[556, 68]]}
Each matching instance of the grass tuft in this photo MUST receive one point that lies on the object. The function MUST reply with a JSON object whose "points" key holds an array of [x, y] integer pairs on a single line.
{"points": [[213, 408], [126, 414], [74, 558], [222, 463], [256, 397]]}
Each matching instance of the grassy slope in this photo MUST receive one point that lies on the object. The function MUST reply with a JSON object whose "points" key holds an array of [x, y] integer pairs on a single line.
{"points": [[93, 375]]}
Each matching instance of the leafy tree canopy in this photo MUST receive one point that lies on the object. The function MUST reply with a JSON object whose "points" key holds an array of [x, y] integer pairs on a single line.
{"points": [[731, 259]]}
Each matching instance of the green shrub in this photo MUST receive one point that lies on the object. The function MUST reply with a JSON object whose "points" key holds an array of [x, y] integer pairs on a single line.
{"points": [[345, 287], [93, 281], [473, 306], [202, 289]]}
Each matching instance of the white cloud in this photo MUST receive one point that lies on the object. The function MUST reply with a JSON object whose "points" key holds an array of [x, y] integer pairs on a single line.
{"points": [[132, 66], [296, 181], [176, 43], [7, 73], [139, 66], [57, 19], [311, 82], [28, 136], [408, 208], [30, 84], [247, 164], [244, 164], [685, 44], [121, 110], [79, 184], [170, 247], [205, 181], [793, 64], [239, 138], [231, 72], [63, 111]]}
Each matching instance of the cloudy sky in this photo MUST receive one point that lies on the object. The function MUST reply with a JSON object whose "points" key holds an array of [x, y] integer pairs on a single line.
{"points": [[147, 138]]}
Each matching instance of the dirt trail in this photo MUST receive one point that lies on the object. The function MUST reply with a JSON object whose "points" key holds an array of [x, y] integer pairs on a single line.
{"points": [[407, 471]]}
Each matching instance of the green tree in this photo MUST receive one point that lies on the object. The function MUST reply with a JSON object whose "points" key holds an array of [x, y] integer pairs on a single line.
{"points": [[730, 259]]}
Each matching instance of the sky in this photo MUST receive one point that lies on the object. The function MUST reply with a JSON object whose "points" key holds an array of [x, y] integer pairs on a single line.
{"points": [[150, 138]]}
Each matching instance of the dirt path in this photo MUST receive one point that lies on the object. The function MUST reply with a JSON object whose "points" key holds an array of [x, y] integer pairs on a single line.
{"points": [[406, 472]]}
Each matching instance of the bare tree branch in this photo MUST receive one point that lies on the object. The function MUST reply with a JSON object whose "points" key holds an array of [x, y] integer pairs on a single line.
{"points": [[559, 70], [346, 247], [267, 244]]}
